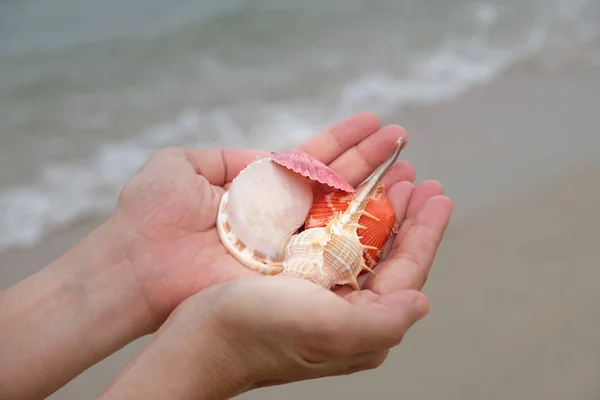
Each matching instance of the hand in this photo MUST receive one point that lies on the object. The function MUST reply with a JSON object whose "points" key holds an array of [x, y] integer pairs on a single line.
{"points": [[160, 247], [166, 214], [263, 331], [284, 330], [249, 333]]}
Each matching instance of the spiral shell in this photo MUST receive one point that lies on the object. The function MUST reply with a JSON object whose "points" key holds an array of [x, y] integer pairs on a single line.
{"points": [[333, 255], [325, 258]]}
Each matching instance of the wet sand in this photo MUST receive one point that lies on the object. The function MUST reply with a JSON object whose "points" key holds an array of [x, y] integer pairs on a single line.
{"points": [[514, 311]]}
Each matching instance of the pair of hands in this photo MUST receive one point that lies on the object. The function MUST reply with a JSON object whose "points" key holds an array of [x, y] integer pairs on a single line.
{"points": [[271, 329]]}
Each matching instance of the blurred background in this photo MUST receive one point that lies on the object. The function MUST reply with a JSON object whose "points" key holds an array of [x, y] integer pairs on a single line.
{"points": [[500, 99]]}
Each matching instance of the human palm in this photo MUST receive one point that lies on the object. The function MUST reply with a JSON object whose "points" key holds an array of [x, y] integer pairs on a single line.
{"points": [[318, 333], [167, 213]]}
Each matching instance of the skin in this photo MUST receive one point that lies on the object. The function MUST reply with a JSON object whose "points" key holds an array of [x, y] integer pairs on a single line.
{"points": [[307, 333], [160, 250]]}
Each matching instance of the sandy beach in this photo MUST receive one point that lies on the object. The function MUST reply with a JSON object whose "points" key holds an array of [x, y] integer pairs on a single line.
{"points": [[514, 310]]}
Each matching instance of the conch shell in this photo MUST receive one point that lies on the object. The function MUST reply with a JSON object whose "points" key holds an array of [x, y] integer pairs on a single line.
{"points": [[266, 204], [375, 232], [333, 254]]}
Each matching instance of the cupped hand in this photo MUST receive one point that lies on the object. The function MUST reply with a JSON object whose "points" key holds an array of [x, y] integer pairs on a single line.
{"points": [[282, 330], [166, 214], [263, 331]]}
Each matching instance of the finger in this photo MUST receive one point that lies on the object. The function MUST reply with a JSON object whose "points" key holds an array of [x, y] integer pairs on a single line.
{"points": [[221, 165], [359, 161], [380, 323], [400, 171], [410, 260], [337, 139], [423, 192], [399, 195], [361, 297]]}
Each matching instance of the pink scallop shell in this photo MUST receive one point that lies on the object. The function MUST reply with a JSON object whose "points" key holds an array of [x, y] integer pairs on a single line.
{"points": [[312, 168]]}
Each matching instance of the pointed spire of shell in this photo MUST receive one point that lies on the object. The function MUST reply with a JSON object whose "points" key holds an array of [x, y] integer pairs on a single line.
{"points": [[356, 208]]}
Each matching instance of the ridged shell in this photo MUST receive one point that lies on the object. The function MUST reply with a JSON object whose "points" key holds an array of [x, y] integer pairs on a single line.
{"points": [[376, 232], [312, 168], [325, 258], [265, 205]]}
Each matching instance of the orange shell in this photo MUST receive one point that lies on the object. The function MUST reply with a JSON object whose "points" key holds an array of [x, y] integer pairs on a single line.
{"points": [[375, 234]]}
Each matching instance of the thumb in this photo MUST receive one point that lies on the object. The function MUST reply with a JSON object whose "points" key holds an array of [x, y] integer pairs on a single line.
{"points": [[381, 321]]}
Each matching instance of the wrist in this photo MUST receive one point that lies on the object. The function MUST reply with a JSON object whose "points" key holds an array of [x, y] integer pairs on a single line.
{"points": [[108, 275], [98, 275], [128, 286], [70, 315], [186, 359]]}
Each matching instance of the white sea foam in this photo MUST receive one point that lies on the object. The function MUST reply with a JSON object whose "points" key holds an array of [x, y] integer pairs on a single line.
{"points": [[445, 74], [64, 192]]}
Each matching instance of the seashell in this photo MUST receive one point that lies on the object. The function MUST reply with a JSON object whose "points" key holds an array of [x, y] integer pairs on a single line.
{"points": [[264, 206], [333, 255], [376, 232], [312, 168], [324, 257]]}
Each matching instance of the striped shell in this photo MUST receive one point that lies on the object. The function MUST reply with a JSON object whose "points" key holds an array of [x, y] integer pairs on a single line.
{"points": [[325, 257], [377, 232], [333, 255]]}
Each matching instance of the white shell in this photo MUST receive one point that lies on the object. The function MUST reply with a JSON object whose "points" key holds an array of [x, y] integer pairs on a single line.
{"points": [[325, 257], [265, 205]]}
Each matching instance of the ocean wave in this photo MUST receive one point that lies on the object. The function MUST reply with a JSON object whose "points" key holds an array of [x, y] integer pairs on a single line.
{"points": [[67, 191], [443, 75]]}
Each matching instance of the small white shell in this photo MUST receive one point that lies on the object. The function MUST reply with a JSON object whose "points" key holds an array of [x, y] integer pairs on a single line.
{"points": [[265, 205], [325, 257]]}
